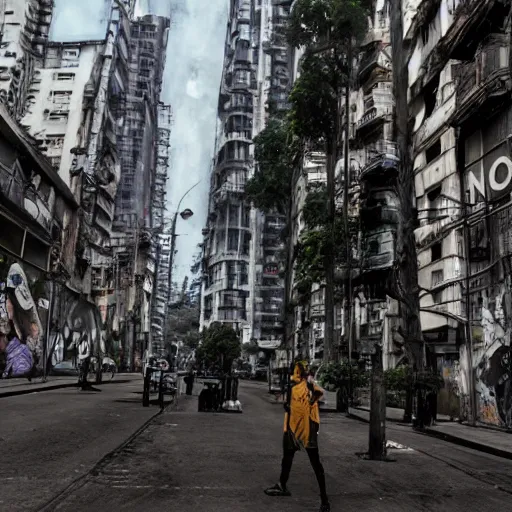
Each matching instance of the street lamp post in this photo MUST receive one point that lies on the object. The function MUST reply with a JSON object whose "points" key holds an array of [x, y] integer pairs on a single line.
{"points": [[185, 215]]}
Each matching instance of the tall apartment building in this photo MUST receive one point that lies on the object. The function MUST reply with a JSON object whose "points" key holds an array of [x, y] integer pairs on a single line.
{"points": [[24, 28], [139, 195], [226, 293], [70, 112], [243, 285], [459, 81], [162, 242]]}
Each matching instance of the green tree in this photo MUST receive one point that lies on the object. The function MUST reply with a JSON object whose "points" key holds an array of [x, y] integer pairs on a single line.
{"points": [[219, 346], [328, 30], [317, 244], [277, 152]]}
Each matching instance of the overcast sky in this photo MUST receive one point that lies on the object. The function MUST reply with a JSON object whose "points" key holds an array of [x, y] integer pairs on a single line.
{"points": [[191, 85]]}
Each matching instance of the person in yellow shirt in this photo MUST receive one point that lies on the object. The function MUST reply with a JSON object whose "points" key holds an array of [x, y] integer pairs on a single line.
{"points": [[301, 425]]}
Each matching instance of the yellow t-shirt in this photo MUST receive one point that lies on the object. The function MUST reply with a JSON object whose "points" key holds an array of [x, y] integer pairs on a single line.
{"points": [[302, 411]]}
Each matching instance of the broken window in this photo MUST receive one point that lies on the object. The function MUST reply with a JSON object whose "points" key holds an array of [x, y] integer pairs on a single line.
{"points": [[430, 95], [434, 200], [433, 151], [436, 251], [373, 247]]}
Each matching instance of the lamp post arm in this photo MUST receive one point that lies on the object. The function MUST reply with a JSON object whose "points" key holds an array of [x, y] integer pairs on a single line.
{"points": [[183, 197]]}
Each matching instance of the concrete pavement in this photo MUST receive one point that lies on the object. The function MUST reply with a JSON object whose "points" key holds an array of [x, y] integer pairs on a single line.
{"points": [[484, 439], [186, 461], [50, 439], [21, 386]]}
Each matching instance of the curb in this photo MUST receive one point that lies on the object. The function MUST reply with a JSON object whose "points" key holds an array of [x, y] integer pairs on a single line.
{"points": [[432, 432], [497, 452], [364, 420], [17, 392], [50, 387], [82, 480]]}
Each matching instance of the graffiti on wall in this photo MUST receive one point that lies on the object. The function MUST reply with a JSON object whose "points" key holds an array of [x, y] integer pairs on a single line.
{"points": [[75, 330], [492, 360], [78, 333], [20, 326]]}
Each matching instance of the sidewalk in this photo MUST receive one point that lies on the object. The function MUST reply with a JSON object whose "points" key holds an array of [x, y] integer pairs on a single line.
{"points": [[392, 414], [14, 387], [481, 439]]}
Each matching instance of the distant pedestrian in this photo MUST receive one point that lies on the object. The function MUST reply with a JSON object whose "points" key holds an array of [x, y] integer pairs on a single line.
{"points": [[189, 380], [302, 422]]}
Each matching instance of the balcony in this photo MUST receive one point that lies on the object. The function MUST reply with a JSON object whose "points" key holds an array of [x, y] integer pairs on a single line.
{"points": [[379, 250], [375, 114], [483, 83], [369, 62], [226, 190], [380, 207], [381, 156]]}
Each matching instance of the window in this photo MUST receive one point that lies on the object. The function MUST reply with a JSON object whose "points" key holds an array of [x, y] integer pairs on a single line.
{"points": [[436, 251], [437, 297], [60, 97], [460, 244], [430, 95], [54, 117], [434, 198], [71, 53], [437, 277], [35, 251], [433, 151], [373, 247], [64, 77], [233, 240]]}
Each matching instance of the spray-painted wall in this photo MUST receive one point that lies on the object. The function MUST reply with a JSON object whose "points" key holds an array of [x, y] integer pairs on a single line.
{"points": [[28, 340], [492, 361]]}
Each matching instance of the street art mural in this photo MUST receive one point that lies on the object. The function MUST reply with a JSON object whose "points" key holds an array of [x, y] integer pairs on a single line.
{"points": [[21, 342], [31, 343], [492, 359]]}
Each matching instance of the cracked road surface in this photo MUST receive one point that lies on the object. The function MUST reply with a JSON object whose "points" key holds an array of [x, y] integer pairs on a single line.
{"points": [[186, 461], [51, 438]]}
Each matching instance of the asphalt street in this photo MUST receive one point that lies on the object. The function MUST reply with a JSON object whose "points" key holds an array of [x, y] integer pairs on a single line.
{"points": [[51, 438], [186, 461]]}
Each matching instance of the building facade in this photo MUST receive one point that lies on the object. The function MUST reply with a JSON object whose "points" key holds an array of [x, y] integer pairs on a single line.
{"points": [[91, 112]]}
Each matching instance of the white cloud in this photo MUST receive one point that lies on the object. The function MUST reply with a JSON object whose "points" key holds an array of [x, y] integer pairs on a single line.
{"points": [[195, 55]]}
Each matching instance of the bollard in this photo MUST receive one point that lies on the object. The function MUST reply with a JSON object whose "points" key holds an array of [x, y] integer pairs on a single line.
{"points": [[145, 392]]}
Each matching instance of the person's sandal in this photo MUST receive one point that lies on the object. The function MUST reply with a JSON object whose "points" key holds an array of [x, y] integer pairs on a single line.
{"points": [[277, 490]]}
